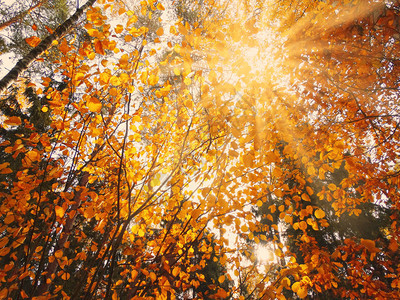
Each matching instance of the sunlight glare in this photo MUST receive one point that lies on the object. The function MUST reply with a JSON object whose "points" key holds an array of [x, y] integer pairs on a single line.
{"points": [[264, 254]]}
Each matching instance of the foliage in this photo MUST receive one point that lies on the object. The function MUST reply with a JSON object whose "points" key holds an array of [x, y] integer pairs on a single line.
{"points": [[172, 139]]}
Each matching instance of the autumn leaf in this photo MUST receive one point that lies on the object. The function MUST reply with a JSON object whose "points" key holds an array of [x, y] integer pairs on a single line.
{"points": [[221, 278], [9, 219], [319, 214], [119, 29], [59, 211], [33, 41], [58, 254], [94, 105], [13, 121], [160, 31], [98, 46]]}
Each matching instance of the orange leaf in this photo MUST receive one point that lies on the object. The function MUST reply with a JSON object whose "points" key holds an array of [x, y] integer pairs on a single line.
{"points": [[4, 165], [6, 171], [221, 279], [176, 271], [60, 211], [94, 105], [58, 253], [160, 31], [98, 47], [49, 29], [14, 121], [119, 28], [33, 41], [319, 213], [9, 219]]}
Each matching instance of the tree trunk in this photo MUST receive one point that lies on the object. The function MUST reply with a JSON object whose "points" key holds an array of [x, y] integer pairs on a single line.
{"points": [[20, 15], [45, 44]]}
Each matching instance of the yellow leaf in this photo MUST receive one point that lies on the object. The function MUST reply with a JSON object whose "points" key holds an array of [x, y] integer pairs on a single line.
{"points": [[13, 121], [296, 287], [319, 214], [59, 211], [259, 203], [160, 6], [187, 81], [153, 276], [137, 32], [172, 30], [45, 109], [114, 80], [153, 79], [176, 271], [141, 232], [221, 278], [302, 292], [177, 72], [79, 76], [33, 155], [94, 105], [33, 41], [65, 276]]}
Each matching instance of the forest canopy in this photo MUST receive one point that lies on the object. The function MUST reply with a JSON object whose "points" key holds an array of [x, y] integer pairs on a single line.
{"points": [[204, 149]]}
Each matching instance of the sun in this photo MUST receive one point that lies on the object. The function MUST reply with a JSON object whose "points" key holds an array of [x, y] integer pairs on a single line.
{"points": [[265, 254]]}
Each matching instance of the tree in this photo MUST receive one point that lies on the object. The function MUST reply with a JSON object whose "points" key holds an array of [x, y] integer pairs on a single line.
{"points": [[171, 143]]}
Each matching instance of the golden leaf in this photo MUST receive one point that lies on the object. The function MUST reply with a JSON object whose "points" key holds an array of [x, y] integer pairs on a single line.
{"points": [[119, 28], [94, 105], [153, 276], [221, 278], [153, 79], [58, 254], [319, 214], [176, 271], [59, 211], [114, 80], [160, 31]]}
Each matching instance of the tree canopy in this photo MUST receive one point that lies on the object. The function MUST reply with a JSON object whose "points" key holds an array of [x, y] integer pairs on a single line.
{"points": [[159, 145]]}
